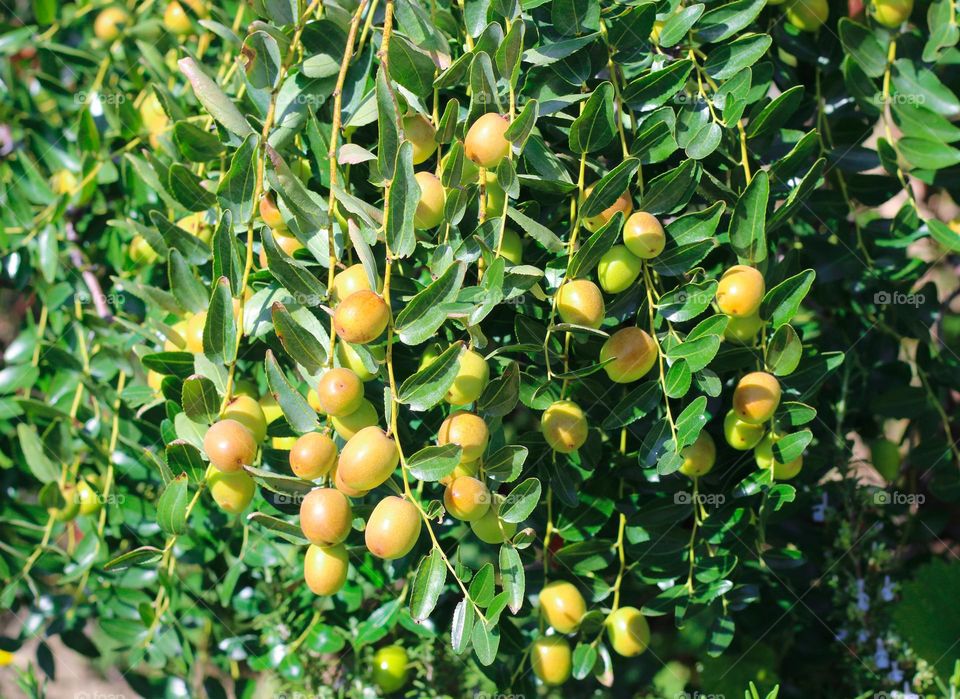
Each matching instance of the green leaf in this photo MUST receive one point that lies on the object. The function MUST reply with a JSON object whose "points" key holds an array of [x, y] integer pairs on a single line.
{"points": [[928, 155], [186, 189], [184, 284], [461, 627], [691, 421], [723, 22], [144, 555], [34, 451], [522, 126], [726, 60], [678, 24], [794, 414], [584, 659], [609, 188], [200, 399], [697, 353], [861, 44], [387, 126], [781, 303], [427, 585], [671, 190], [505, 464], [536, 230], [434, 462], [236, 188], [194, 250], [634, 405], [410, 66], [783, 351], [426, 312], [775, 114], [296, 410], [220, 328], [594, 128], [290, 532], [306, 289], [217, 104], [427, 387], [227, 253], [791, 446], [748, 221], [184, 457], [944, 235], [501, 395], [657, 87], [512, 577], [195, 144], [404, 195], [302, 345], [588, 256], [172, 506], [688, 301], [521, 501], [289, 486]]}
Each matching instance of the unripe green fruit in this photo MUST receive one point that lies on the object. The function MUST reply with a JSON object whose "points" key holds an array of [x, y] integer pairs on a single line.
{"points": [[739, 434], [808, 15], [429, 213], [348, 425], [623, 203], [891, 13], [467, 499], [743, 330], [248, 413], [393, 528], [71, 504], [325, 517], [140, 251], [485, 143], [232, 492], [471, 379], [562, 606], [361, 317], [628, 632], [886, 458], [271, 214], [490, 529], [312, 455], [512, 247], [340, 392], [564, 426], [422, 136], [699, 457], [551, 660], [580, 302], [643, 235], [368, 459], [618, 269], [763, 455], [325, 568], [109, 23], [494, 196], [466, 430], [756, 397], [633, 351], [176, 20], [349, 358], [353, 278], [87, 498], [740, 291], [390, 670], [229, 445]]}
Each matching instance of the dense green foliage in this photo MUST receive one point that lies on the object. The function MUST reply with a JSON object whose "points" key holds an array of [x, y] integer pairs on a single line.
{"points": [[149, 282]]}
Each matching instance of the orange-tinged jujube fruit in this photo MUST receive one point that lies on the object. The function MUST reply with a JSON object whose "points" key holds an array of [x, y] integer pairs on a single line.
{"points": [[564, 426], [643, 235], [393, 528], [633, 351], [756, 397], [325, 516], [340, 392], [490, 529], [699, 457], [346, 489], [467, 499], [348, 425], [361, 317], [466, 430], [628, 632], [229, 445], [313, 455], [368, 459], [247, 412], [580, 302], [231, 491], [325, 568], [429, 211], [271, 215], [420, 132], [551, 660], [469, 468], [485, 143], [740, 291], [562, 606], [623, 203]]}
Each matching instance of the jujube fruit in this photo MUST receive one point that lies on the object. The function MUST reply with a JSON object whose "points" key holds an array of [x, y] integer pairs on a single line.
{"points": [[70, 508], [886, 458], [312, 455], [194, 332], [466, 430], [231, 491], [392, 528], [422, 136], [325, 516], [176, 20], [248, 413], [562, 606], [564, 426], [512, 247], [340, 392], [350, 358], [346, 489], [361, 317], [353, 278], [140, 251], [485, 143], [551, 660], [271, 215], [807, 15], [763, 455], [472, 377], [325, 568], [633, 352], [368, 459], [756, 397], [469, 468], [579, 302], [390, 670], [618, 269], [743, 330], [87, 498], [268, 404], [348, 425], [699, 457], [739, 434], [229, 445], [740, 291], [109, 22], [643, 235], [623, 203], [466, 499], [490, 529], [628, 632], [429, 211]]}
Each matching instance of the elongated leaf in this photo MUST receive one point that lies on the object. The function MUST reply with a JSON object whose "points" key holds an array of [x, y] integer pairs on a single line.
{"points": [[428, 386], [300, 344], [172, 506], [427, 585], [296, 410]]}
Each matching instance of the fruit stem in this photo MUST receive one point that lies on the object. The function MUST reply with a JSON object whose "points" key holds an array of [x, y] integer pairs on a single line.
{"points": [[648, 283]]}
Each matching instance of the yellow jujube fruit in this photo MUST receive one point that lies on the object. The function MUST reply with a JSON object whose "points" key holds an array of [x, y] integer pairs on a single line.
{"points": [[633, 352], [368, 459], [628, 632], [232, 492], [347, 426], [564, 426], [699, 457], [562, 606], [393, 528], [361, 317], [580, 302], [229, 445], [485, 143], [466, 430], [756, 397], [551, 660], [325, 516], [325, 568], [740, 291]]}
